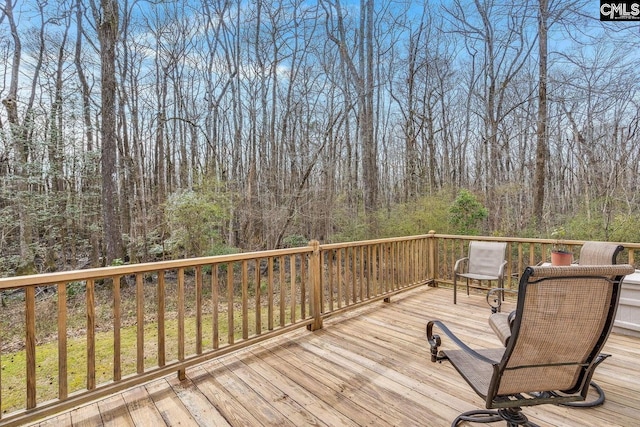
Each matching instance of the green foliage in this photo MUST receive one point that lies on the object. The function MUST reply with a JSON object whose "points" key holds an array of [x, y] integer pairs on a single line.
{"points": [[559, 233], [621, 227], [417, 217], [624, 228], [195, 218], [403, 219], [467, 213], [349, 225], [219, 249], [75, 288], [264, 287], [295, 241]]}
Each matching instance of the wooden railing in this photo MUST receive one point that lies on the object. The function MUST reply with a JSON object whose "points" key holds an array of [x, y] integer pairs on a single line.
{"points": [[76, 336], [144, 321]]}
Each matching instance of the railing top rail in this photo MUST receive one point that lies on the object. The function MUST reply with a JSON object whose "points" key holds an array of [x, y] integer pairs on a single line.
{"points": [[627, 245], [122, 270], [114, 271], [328, 246]]}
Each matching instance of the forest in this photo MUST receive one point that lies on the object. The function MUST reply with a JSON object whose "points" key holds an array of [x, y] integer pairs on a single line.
{"points": [[140, 130]]}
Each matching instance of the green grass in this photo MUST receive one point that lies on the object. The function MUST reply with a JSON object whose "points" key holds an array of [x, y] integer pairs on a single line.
{"points": [[14, 364]]}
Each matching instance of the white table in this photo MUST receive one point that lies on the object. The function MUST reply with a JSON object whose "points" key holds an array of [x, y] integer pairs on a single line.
{"points": [[627, 319]]}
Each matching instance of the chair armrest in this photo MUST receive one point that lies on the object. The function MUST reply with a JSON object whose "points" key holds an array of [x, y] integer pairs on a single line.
{"points": [[435, 342], [459, 263], [502, 324], [495, 302], [501, 270]]}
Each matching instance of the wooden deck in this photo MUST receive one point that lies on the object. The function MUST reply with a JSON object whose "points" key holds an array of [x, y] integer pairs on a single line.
{"points": [[368, 367]]}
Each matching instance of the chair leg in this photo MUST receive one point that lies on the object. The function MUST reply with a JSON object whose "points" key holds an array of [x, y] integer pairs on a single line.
{"points": [[477, 416], [513, 416], [455, 287], [599, 400]]}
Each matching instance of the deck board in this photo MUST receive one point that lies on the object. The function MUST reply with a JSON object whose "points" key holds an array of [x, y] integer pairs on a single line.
{"points": [[141, 407], [367, 367], [169, 404], [205, 414], [114, 412]]}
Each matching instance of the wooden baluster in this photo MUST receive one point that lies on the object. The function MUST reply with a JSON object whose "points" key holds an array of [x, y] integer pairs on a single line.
{"points": [[245, 300], [161, 290], [117, 322], [181, 331], [270, 295], [316, 295], [215, 327], [258, 276], [281, 267], [91, 335], [339, 276], [30, 344], [140, 324], [303, 288], [230, 298], [292, 280], [63, 386], [199, 309]]}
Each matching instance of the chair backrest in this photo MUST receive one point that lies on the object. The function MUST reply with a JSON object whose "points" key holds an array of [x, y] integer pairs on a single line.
{"points": [[486, 257], [599, 253], [563, 318]]}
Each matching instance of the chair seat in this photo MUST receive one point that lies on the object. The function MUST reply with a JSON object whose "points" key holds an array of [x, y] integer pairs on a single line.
{"points": [[478, 276], [475, 371]]}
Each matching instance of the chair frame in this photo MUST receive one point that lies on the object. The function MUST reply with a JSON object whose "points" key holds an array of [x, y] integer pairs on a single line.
{"points": [[462, 266], [507, 407]]}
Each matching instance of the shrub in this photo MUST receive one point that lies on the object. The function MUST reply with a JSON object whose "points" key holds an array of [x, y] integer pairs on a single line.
{"points": [[195, 218], [467, 213]]}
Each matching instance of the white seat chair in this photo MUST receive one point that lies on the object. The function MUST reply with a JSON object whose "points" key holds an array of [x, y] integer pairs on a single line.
{"points": [[485, 262]]}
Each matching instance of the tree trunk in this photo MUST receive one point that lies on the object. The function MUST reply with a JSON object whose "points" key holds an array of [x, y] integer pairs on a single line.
{"points": [[107, 25], [90, 162], [19, 135], [541, 146]]}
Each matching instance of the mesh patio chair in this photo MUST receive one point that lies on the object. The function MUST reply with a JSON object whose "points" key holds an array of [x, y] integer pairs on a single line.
{"points": [[485, 262], [599, 253], [563, 318], [591, 253]]}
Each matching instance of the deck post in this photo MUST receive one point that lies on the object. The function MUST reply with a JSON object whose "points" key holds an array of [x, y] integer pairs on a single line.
{"points": [[433, 258], [316, 295]]}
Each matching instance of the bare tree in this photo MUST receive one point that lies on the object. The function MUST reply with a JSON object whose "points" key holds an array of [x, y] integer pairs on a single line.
{"points": [[361, 76], [22, 130], [541, 131], [499, 42], [106, 16]]}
